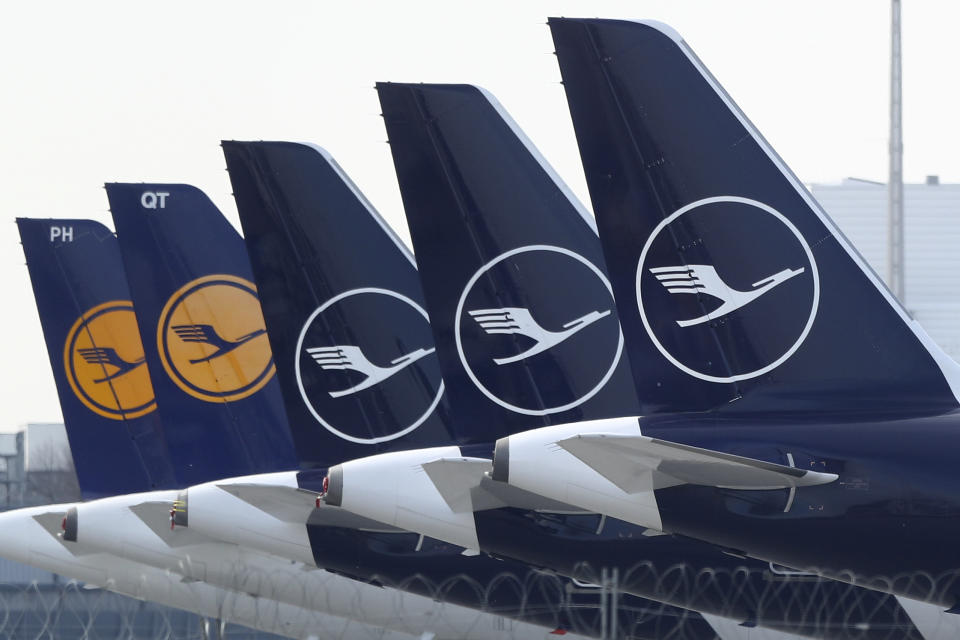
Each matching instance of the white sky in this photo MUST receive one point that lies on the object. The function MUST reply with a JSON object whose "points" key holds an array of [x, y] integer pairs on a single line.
{"points": [[144, 91]]}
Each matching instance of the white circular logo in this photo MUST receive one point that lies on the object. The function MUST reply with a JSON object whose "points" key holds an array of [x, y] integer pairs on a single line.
{"points": [[728, 276], [549, 349], [360, 383]]}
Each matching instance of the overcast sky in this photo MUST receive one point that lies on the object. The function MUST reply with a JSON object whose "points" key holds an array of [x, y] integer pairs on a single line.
{"points": [[138, 91]]}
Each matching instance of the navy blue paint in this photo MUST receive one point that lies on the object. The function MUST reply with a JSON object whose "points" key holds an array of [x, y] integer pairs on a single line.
{"points": [[163, 250], [694, 575], [310, 240], [654, 136], [69, 278], [472, 191], [862, 397], [457, 160]]}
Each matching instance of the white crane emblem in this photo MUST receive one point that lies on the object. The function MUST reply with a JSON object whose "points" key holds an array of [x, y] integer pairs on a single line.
{"points": [[701, 278], [517, 320], [343, 357]]}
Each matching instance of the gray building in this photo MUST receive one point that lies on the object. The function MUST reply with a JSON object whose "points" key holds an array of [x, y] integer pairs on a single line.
{"points": [[931, 245]]}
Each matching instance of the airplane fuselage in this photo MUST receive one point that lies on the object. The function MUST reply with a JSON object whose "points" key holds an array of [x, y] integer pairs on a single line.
{"points": [[884, 520]]}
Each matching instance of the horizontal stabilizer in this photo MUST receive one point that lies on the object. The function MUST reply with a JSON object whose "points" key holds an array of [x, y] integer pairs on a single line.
{"points": [[287, 504], [327, 516], [156, 515], [457, 479], [511, 496], [52, 521], [639, 463], [465, 485]]}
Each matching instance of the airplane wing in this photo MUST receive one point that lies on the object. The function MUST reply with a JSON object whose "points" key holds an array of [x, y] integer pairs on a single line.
{"points": [[640, 463]]}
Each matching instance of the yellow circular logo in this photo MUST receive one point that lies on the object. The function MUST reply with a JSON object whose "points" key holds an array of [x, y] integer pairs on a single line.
{"points": [[213, 341], [105, 365]]}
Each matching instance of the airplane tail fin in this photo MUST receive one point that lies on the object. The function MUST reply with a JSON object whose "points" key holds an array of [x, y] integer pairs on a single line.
{"points": [[735, 288], [202, 331], [94, 347], [511, 265], [343, 307]]}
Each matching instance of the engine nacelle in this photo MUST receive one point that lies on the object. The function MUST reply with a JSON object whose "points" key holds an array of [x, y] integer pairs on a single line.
{"points": [[395, 489]]}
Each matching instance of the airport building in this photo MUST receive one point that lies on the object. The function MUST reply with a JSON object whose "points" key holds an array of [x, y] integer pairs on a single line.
{"points": [[931, 237]]}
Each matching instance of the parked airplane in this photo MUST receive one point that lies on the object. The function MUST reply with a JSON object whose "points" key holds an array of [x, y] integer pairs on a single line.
{"points": [[823, 417]]}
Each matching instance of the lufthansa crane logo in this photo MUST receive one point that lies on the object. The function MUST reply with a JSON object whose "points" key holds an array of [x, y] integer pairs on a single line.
{"points": [[727, 288], [349, 357], [518, 321], [105, 364], [366, 366], [212, 339], [556, 342], [703, 279]]}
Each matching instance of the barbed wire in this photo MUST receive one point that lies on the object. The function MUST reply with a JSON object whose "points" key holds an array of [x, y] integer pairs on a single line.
{"points": [[67, 610], [599, 603]]}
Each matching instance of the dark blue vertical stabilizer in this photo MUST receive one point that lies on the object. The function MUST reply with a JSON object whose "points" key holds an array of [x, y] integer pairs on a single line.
{"points": [[203, 333], [734, 287], [512, 269], [98, 364], [343, 304]]}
